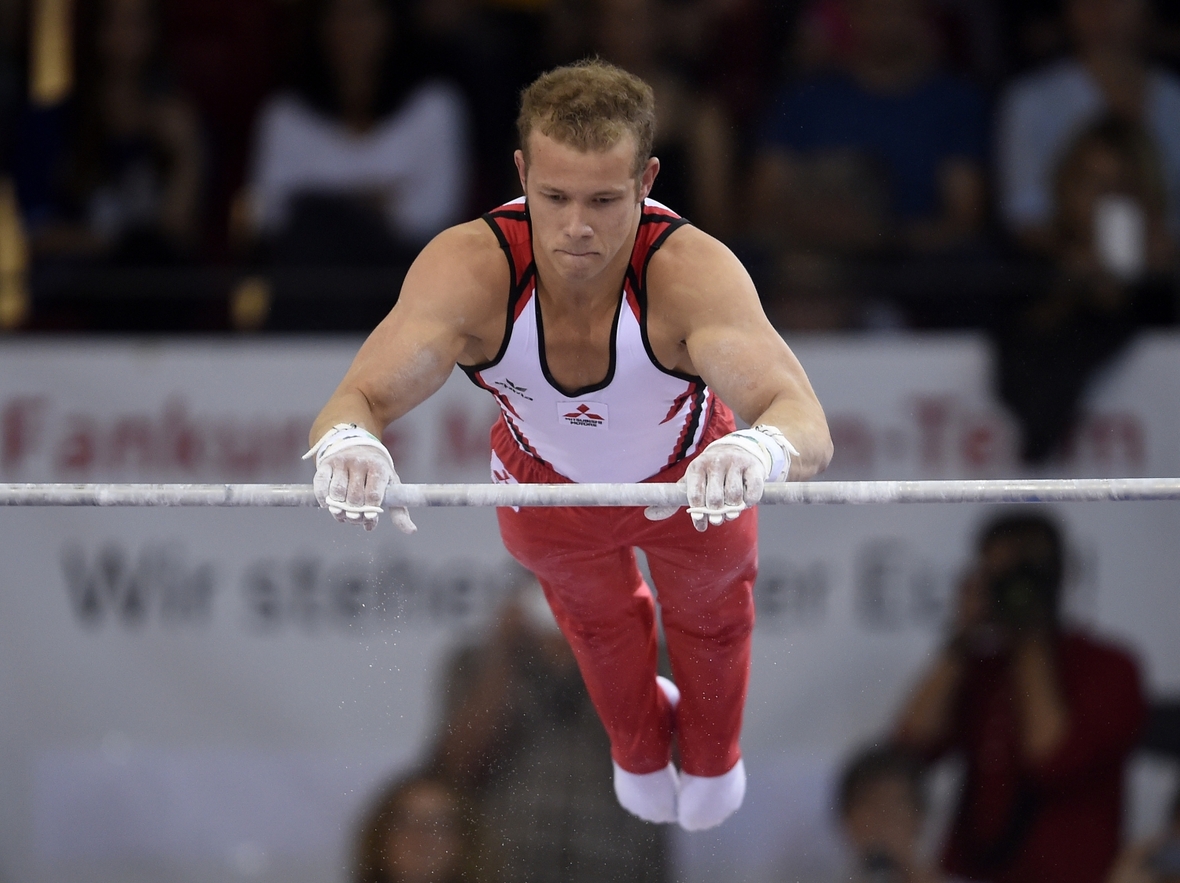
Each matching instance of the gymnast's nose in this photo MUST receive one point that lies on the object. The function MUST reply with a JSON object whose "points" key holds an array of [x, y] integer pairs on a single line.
{"points": [[577, 222]]}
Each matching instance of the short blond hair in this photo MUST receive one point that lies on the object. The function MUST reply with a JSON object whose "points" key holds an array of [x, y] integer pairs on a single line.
{"points": [[590, 105]]}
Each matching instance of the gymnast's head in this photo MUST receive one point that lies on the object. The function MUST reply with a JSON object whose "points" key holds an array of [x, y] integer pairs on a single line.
{"points": [[585, 166], [591, 106]]}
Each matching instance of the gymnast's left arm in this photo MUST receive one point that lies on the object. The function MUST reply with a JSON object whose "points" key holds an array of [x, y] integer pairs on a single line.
{"points": [[729, 342], [703, 297]]}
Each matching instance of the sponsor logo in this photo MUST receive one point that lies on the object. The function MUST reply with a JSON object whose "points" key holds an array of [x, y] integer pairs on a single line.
{"points": [[590, 414], [508, 386]]}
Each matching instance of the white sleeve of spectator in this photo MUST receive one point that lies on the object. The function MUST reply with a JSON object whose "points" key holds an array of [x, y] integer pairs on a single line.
{"points": [[436, 191], [1164, 121], [1038, 117], [1021, 165], [270, 173]]}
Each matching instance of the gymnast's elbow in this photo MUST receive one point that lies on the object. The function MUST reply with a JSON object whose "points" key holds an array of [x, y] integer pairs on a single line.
{"points": [[815, 458], [827, 449]]}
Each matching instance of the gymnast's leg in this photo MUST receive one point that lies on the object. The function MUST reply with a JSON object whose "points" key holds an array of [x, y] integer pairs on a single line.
{"points": [[606, 612], [705, 583]]}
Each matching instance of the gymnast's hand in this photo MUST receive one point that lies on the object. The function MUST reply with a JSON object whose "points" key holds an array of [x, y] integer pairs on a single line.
{"points": [[353, 471], [730, 474]]}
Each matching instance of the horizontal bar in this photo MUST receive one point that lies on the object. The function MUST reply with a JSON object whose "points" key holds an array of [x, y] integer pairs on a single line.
{"points": [[644, 494]]}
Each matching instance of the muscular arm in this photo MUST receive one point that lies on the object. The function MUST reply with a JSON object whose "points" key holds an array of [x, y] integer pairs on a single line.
{"points": [[704, 303], [1044, 715], [926, 718], [449, 310]]}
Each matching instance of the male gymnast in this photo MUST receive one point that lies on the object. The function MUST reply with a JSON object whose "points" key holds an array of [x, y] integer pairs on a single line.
{"points": [[616, 338]]}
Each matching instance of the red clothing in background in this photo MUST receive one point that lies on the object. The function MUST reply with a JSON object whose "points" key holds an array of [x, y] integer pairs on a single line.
{"points": [[1059, 820]]}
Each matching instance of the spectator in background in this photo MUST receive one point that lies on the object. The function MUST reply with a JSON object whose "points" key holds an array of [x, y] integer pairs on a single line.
{"points": [[821, 37], [969, 32], [1043, 714], [884, 153], [739, 56], [520, 735], [1108, 74], [116, 173], [414, 832], [225, 55], [492, 54], [1155, 860], [882, 806], [1112, 258], [366, 158]]}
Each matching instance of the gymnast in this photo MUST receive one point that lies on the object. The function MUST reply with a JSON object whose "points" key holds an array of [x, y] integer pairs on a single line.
{"points": [[615, 338]]}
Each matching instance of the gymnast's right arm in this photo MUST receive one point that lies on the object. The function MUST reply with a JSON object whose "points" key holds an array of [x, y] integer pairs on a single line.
{"points": [[447, 312]]}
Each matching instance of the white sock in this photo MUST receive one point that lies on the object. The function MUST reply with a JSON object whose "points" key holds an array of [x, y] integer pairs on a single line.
{"points": [[671, 691], [707, 801], [651, 796]]}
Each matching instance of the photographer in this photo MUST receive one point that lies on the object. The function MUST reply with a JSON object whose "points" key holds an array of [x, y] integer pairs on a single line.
{"points": [[1043, 715]]}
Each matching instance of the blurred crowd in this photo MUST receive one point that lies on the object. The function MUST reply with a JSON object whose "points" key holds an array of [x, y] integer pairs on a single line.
{"points": [[1011, 165], [516, 785], [1039, 714]]}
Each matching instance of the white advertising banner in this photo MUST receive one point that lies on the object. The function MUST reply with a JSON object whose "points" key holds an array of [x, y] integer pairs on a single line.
{"points": [[201, 695]]}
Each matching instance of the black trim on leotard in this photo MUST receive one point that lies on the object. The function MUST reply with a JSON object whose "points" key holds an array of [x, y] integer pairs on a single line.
{"points": [[520, 284]]}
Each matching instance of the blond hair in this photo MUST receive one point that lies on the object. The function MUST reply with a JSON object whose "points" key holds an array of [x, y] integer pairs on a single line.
{"points": [[590, 105]]}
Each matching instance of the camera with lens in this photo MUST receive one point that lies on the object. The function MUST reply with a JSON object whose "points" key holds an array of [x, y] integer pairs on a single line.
{"points": [[1024, 596]]}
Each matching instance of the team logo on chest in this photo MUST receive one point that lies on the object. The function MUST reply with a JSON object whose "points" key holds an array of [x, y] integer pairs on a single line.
{"points": [[508, 386], [592, 415]]}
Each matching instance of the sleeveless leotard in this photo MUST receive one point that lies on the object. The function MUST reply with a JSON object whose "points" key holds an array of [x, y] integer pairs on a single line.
{"points": [[640, 419]]}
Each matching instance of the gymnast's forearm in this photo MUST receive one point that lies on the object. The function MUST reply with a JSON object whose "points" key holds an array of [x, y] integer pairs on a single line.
{"points": [[804, 426], [391, 375], [346, 406]]}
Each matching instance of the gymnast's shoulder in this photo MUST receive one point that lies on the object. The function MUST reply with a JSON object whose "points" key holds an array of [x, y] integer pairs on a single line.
{"points": [[694, 273], [461, 269]]}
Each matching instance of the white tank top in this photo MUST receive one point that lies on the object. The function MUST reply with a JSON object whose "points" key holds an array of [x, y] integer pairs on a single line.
{"points": [[639, 420]]}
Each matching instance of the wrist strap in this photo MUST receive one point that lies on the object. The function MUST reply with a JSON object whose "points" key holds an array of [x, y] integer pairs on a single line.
{"points": [[346, 435], [768, 444], [775, 435]]}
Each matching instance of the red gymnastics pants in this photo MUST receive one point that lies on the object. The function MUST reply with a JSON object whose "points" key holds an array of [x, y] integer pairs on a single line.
{"points": [[584, 558]]}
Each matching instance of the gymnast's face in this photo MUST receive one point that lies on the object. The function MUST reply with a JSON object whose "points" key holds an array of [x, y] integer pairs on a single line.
{"points": [[584, 205]]}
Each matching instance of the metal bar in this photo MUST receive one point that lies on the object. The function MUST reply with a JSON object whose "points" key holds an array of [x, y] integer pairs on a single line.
{"points": [[653, 494]]}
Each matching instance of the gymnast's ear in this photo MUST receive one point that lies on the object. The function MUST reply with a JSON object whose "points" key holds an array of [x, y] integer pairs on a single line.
{"points": [[522, 169], [648, 177]]}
